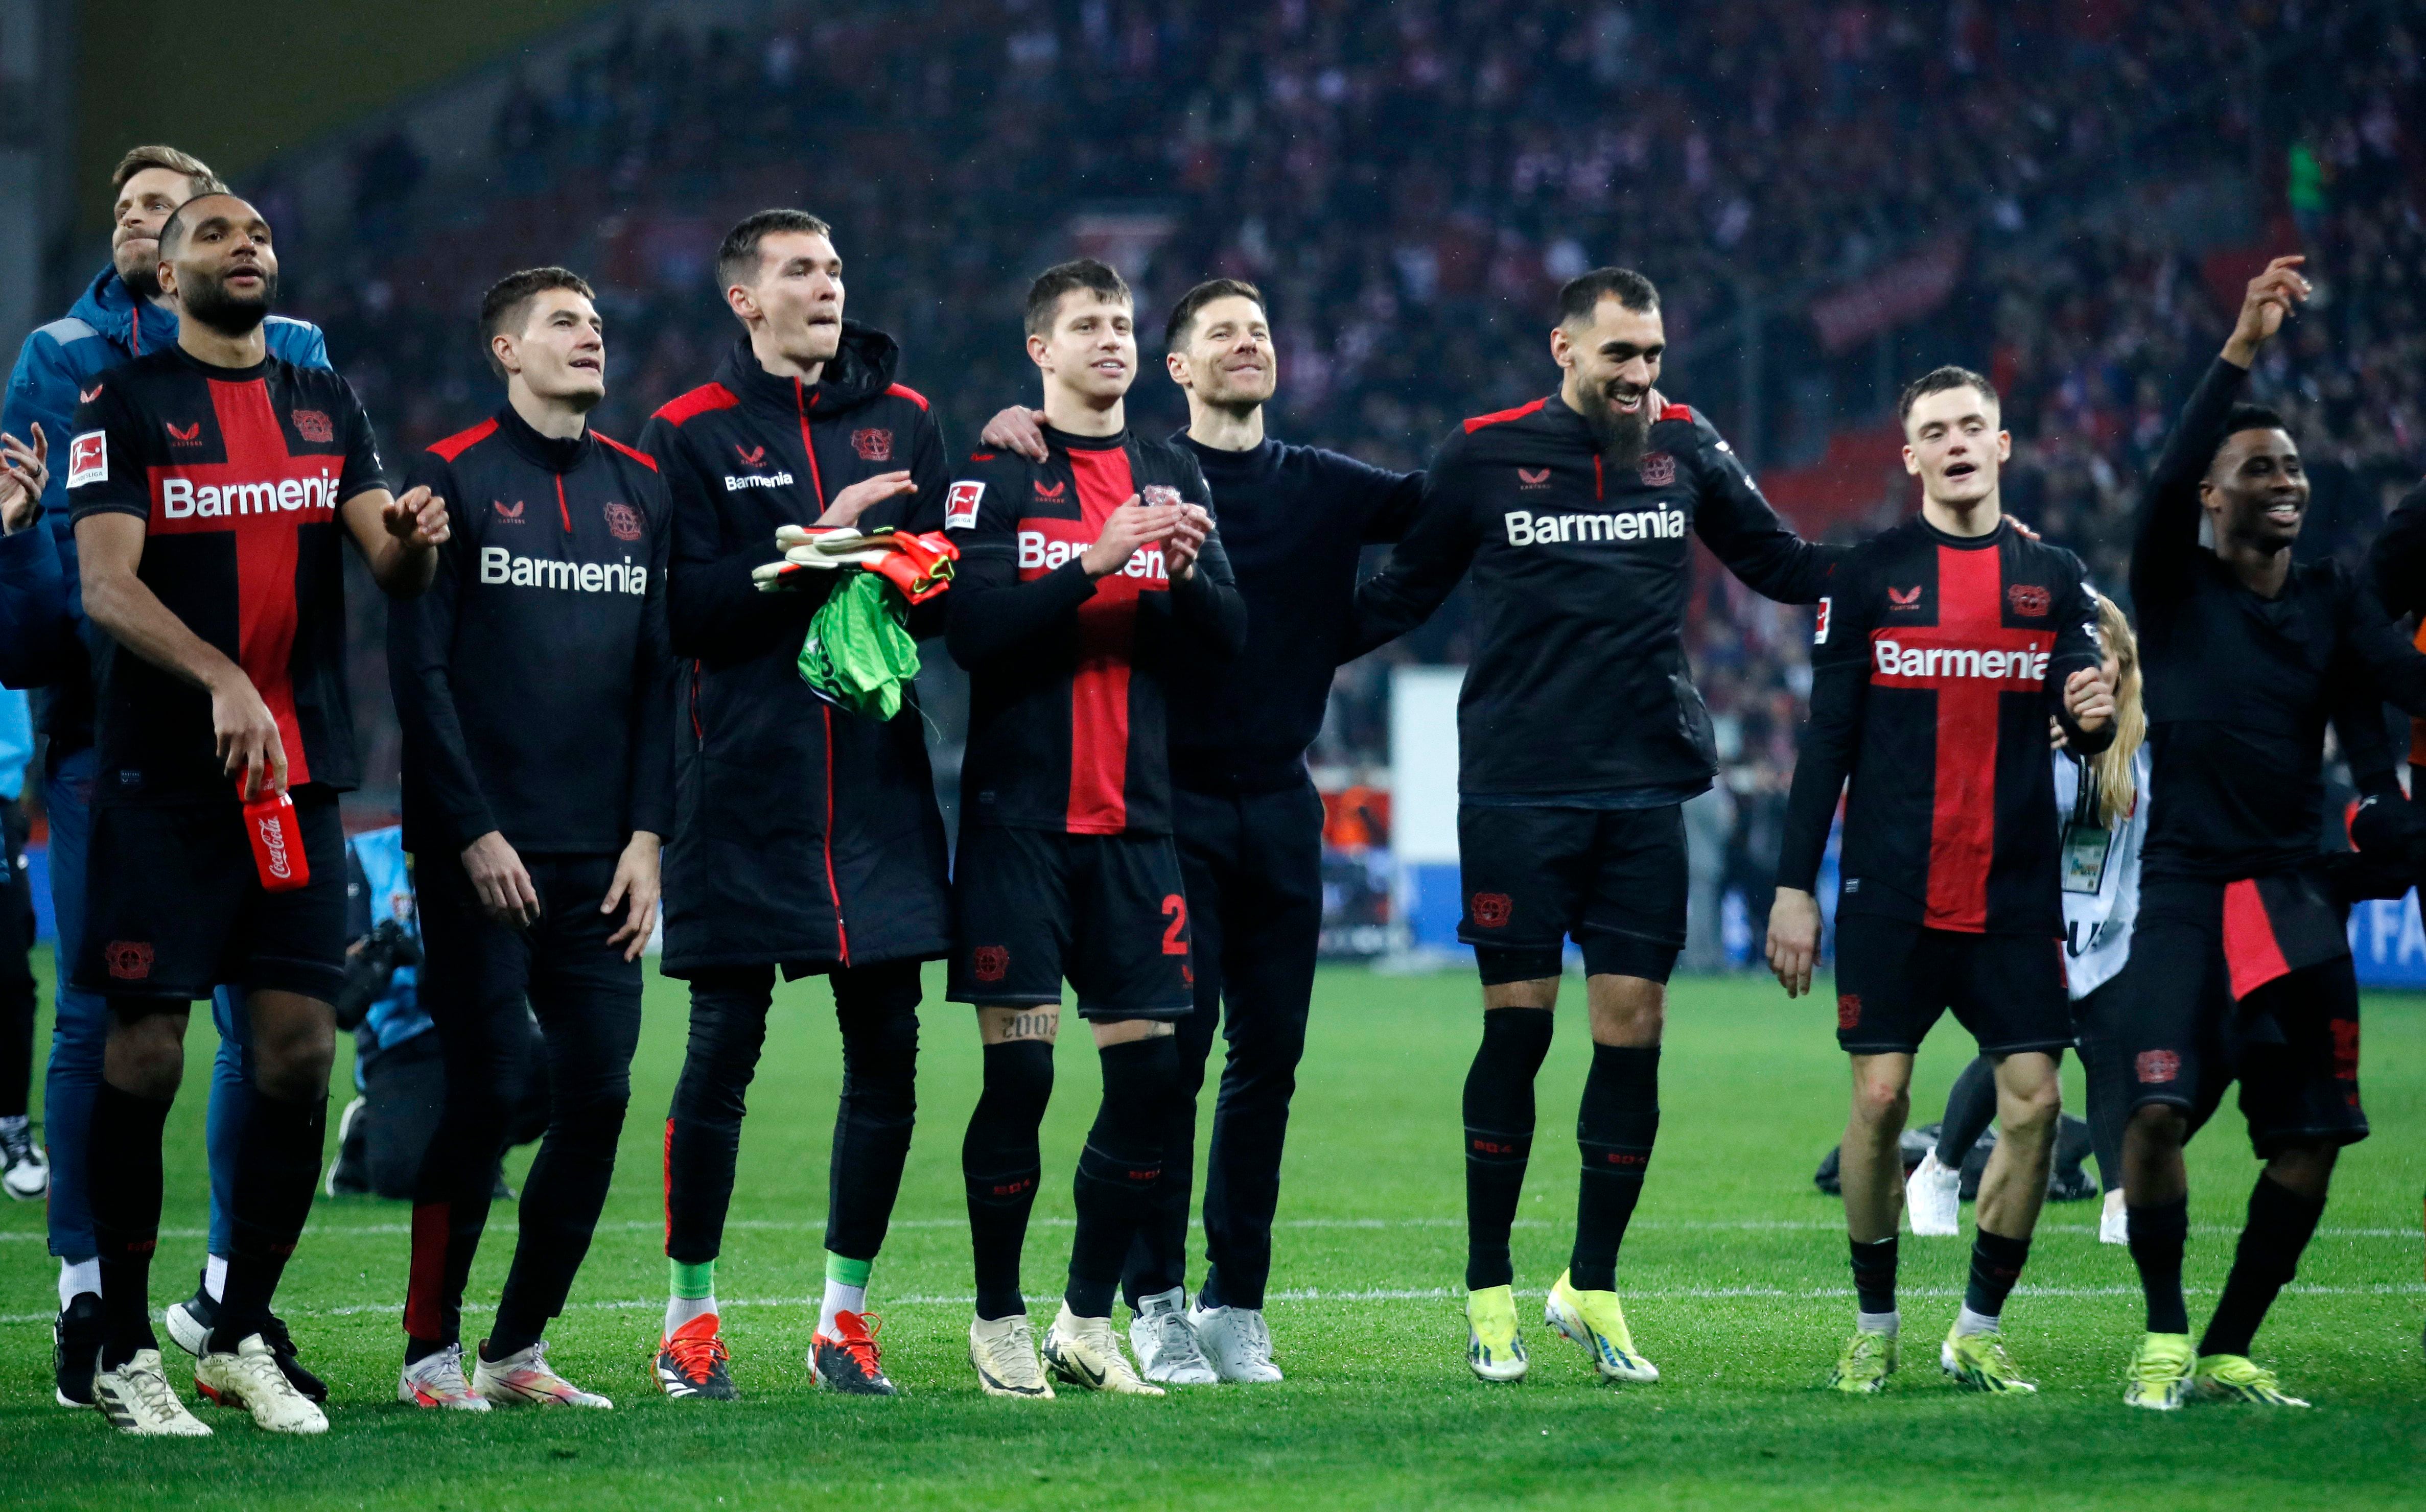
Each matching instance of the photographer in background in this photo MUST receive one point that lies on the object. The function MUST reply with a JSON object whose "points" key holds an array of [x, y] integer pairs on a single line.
{"points": [[399, 1080]]}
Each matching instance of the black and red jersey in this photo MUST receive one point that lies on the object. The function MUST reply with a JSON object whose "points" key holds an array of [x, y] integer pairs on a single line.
{"points": [[1068, 718], [239, 475], [1938, 661]]}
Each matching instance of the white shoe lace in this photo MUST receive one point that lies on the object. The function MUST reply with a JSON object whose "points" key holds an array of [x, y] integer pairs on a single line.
{"points": [[1095, 1335], [156, 1400], [1175, 1342], [1254, 1339], [1010, 1354], [442, 1372]]}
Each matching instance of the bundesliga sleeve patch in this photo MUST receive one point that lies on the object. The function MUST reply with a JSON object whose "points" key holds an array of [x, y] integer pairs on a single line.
{"points": [[89, 459], [961, 506], [1820, 631]]}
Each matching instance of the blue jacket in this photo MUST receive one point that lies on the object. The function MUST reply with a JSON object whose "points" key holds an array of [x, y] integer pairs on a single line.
{"points": [[16, 745], [387, 893], [41, 601]]}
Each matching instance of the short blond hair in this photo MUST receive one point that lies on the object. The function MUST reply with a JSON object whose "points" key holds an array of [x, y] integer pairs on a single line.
{"points": [[197, 173]]}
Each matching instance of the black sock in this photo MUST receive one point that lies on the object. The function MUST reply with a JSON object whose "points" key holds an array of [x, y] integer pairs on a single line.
{"points": [[1001, 1166], [1500, 1136], [2281, 1223], [123, 1152], [278, 1168], [1120, 1166], [2159, 1235], [1996, 1264], [1874, 1275], [1970, 1107], [1614, 1130]]}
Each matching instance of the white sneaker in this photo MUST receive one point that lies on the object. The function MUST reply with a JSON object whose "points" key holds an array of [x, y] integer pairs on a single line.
{"points": [[1933, 1199], [24, 1169], [1003, 1352], [138, 1399], [437, 1380], [1235, 1343], [248, 1377], [1166, 1346], [523, 1378], [2114, 1220], [1085, 1352]]}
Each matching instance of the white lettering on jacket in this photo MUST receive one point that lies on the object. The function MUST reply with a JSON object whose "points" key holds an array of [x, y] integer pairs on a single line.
{"points": [[1525, 528], [498, 565]]}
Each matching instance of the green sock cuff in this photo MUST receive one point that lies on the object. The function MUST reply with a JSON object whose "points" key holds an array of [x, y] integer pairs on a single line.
{"points": [[691, 1282], [844, 1271]]}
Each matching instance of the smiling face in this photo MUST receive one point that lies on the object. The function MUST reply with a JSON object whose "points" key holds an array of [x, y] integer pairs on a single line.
{"points": [[1613, 363], [1953, 444], [215, 260], [1228, 359], [560, 351], [143, 206], [2255, 491], [1091, 351], [797, 299]]}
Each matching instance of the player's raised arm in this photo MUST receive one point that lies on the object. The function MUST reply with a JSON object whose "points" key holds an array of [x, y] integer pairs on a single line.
{"points": [[2170, 506]]}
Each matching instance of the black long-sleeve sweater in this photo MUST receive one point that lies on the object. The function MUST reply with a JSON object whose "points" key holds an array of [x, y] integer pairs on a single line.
{"points": [[2239, 686], [533, 680]]}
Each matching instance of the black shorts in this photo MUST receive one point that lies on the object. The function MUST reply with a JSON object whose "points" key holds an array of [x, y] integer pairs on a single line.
{"points": [[1894, 978], [1105, 912], [173, 905], [2292, 1044], [1614, 879]]}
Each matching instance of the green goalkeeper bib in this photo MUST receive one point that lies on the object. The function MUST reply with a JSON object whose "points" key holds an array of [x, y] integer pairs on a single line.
{"points": [[858, 652]]}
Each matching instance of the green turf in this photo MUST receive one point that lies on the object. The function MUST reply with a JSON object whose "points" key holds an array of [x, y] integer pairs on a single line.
{"points": [[1734, 1275]]}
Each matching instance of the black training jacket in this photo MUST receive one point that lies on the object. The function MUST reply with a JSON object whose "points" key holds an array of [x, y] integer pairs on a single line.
{"points": [[1578, 683], [804, 835], [533, 680], [2239, 687]]}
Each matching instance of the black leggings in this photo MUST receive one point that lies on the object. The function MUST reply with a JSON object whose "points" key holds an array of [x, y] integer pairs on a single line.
{"points": [[878, 1009], [1971, 1105], [476, 979]]}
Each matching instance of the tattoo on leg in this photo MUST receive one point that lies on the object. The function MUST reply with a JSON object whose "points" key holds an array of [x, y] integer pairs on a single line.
{"points": [[1040, 1024]]}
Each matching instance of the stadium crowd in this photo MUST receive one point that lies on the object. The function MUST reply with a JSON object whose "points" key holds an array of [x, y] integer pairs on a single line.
{"points": [[1412, 182]]}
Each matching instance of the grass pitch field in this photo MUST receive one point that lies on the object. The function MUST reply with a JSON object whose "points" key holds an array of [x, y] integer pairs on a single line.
{"points": [[1733, 1277]]}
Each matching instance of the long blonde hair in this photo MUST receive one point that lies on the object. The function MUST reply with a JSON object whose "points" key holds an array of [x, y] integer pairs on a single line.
{"points": [[2118, 790]]}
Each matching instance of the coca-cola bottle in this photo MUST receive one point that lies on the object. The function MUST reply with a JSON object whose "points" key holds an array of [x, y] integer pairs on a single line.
{"points": [[277, 842]]}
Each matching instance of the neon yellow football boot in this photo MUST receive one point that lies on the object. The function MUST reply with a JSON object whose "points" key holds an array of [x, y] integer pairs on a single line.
{"points": [[2160, 1379], [1594, 1321], [1491, 1348], [2237, 1378], [1978, 1363], [1868, 1359]]}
